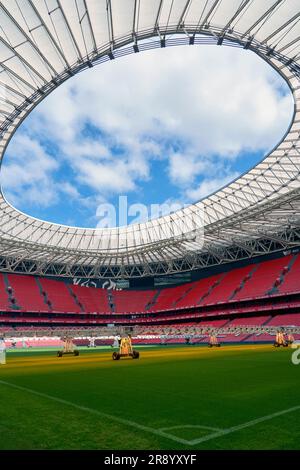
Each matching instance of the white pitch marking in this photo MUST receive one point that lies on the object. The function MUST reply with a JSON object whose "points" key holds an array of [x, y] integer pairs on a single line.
{"points": [[242, 426], [199, 426], [126, 422]]}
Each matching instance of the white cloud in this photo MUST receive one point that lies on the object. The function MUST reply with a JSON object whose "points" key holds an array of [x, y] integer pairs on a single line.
{"points": [[195, 108], [184, 168], [208, 186], [191, 95], [27, 175], [181, 94], [69, 190], [113, 177]]}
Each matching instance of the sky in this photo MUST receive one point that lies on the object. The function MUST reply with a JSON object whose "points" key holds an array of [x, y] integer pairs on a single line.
{"points": [[166, 126]]}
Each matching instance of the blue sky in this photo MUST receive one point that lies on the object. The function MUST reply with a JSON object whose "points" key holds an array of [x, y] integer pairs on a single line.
{"points": [[169, 125]]}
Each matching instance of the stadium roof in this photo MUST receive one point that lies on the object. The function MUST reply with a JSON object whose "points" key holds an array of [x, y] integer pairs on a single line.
{"points": [[45, 42]]}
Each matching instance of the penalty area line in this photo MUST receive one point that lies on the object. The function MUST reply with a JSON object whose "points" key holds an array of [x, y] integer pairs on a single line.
{"points": [[191, 426], [108, 416], [239, 427]]}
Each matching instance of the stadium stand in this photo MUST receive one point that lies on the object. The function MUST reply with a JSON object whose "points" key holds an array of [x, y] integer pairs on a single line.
{"points": [[262, 280], [59, 296], [27, 293], [291, 282], [168, 298], [200, 291], [250, 321], [141, 301], [214, 323], [92, 300], [232, 338], [263, 294], [229, 286], [284, 320], [260, 337], [4, 299]]}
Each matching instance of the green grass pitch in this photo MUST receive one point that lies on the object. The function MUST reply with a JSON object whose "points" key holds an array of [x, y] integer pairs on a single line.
{"points": [[235, 397]]}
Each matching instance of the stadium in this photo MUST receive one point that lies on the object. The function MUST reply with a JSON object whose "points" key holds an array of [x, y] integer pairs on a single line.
{"points": [[222, 272]]}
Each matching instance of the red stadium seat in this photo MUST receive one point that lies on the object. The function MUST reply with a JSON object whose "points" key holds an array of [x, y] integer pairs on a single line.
{"points": [[27, 293], [258, 290]]}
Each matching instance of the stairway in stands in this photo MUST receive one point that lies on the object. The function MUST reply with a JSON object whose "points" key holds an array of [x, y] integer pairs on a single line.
{"points": [[73, 294], [184, 295], [209, 292], [43, 294], [111, 301], [291, 282], [150, 305], [5, 303], [11, 294], [280, 279], [243, 282], [59, 296], [262, 279], [228, 285]]}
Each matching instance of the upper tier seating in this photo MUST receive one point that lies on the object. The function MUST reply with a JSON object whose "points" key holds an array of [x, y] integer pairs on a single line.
{"points": [[227, 287], [262, 279], [60, 297], [27, 293], [137, 303], [4, 300], [168, 298], [93, 300], [200, 291], [291, 281], [230, 293]]}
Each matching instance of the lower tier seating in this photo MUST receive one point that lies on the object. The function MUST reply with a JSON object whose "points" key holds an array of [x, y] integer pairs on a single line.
{"points": [[185, 334]]}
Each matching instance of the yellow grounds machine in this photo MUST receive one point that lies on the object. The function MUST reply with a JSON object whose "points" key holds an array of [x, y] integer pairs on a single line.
{"points": [[125, 349], [69, 348], [280, 340], [213, 341], [290, 339]]}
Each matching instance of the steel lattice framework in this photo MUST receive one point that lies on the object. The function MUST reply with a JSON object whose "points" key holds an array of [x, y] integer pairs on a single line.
{"points": [[45, 42]]}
